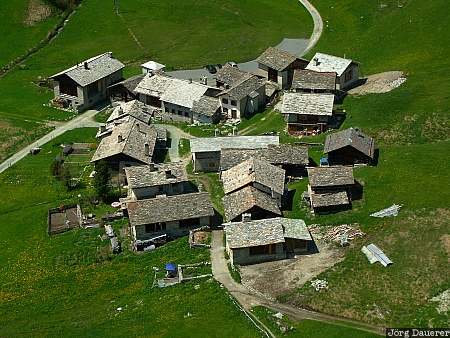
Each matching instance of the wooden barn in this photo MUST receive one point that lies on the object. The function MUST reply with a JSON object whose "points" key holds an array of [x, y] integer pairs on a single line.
{"points": [[278, 66], [307, 113], [350, 146]]}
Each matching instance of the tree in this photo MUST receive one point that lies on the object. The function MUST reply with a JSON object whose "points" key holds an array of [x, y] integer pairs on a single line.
{"points": [[101, 180]]}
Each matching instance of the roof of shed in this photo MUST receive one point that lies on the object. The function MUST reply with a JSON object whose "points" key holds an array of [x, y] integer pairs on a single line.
{"points": [[153, 65], [328, 63], [276, 59], [265, 231], [149, 176], [98, 67], [246, 87], [274, 154], [231, 75], [352, 137], [251, 171], [308, 79], [214, 144], [206, 105], [170, 208], [307, 104], [244, 199], [135, 135], [330, 176], [329, 199]]}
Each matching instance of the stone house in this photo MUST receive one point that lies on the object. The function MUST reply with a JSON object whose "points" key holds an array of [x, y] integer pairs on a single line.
{"points": [[346, 70], [258, 174], [309, 81], [206, 110], [243, 99], [206, 150], [307, 113], [129, 143], [350, 146], [172, 216], [249, 202], [257, 241], [148, 181], [86, 84], [330, 188], [278, 66], [229, 76]]}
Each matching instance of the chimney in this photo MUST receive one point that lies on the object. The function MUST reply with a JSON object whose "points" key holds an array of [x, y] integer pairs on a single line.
{"points": [[138, 127], [204, 80], [190, 80], [102, 128], [246, 217], [316, 61], [250, 170], [86, 65], [152, 166], [147, 149], [119, 138]]}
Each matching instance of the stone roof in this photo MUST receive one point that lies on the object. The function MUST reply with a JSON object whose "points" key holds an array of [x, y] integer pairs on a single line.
{"points": [[128, 138], [130, 84], [230, 75], [276, 58], [143, 176], [328, 63], [155, 84], [329, 199], [330, 176], [352, 137], [265, 231], [184, 93], [169, 208], [307, 104], [308, 79], [253, 171], [274, 154], [152, 65], [247, 87], [98, 67], [239, 202], [206, 105], [214, 144], [132, 108]]}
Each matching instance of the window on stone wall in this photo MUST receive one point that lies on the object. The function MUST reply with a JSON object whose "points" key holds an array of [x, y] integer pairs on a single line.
{"points": [[233, 102], [225, 101]]}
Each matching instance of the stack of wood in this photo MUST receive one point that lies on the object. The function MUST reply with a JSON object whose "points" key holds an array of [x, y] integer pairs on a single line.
{"points": [[336, 233]]}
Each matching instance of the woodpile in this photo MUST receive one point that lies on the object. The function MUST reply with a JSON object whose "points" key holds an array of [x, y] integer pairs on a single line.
{"points": [[337, 233]]}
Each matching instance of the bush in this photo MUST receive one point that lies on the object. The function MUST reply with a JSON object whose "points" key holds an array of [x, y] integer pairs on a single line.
{"points": [[101, 180], [64, 4]]}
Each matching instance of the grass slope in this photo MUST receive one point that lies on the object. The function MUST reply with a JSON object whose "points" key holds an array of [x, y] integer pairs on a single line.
{"points": [[70, 285]]}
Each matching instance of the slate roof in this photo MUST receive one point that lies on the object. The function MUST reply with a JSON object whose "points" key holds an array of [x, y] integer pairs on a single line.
{"points": [[230, 75], [265, 231], [328, 63], [206, 105], [276, 58], [133, 108], [155, 85], [352, 137], [329, 199], [135, 135], [169, 208], [274, 154], [330, 176], [130, 84], [99, 67], [307, 104], [143, 176], [311, 80], [214, 144], [239, 202], [253, 171], [184, 93], [247, 87]]}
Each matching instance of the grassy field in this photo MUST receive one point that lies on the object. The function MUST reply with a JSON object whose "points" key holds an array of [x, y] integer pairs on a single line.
{"points": [[70, 284], [234, 30], [306, 328]]}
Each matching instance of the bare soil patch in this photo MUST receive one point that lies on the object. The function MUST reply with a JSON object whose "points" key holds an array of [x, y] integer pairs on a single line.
{"points": [[445, 239], [280, 277], [380, 83], [37, 11]]}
